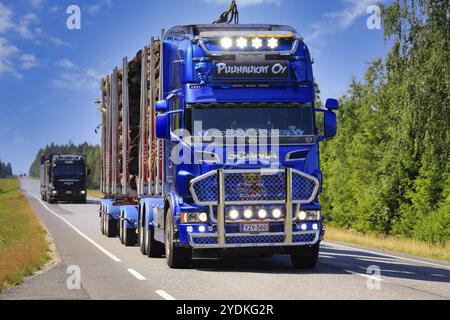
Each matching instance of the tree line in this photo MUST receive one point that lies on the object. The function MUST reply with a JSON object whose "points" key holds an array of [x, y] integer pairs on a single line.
{"points": [[92, 153], [387, 171], [5, 170]]}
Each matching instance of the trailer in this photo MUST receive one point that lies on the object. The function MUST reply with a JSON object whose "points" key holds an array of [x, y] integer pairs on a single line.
{"points": [[63, 178], [210, 145]]}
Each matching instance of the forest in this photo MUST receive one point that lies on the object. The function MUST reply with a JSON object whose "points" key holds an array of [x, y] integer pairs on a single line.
{"points": [[5, 170], [387, 171]]}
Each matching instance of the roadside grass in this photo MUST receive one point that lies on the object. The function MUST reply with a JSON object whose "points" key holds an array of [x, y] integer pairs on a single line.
{"points": [[23, 245], [95, 194], [390, 243]]}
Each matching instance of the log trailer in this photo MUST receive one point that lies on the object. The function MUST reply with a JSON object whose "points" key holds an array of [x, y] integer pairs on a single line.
{"points": [[210, 145]]}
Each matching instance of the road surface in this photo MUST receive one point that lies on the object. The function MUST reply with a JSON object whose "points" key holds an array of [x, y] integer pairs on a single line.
{"points": [[112, 271]]}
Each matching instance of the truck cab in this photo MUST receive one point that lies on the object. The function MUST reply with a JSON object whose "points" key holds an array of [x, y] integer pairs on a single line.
{"points": [[63, 178], [241, 146]]}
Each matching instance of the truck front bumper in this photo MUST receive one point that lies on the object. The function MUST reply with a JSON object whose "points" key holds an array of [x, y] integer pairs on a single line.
{"points": [[240, 240]]}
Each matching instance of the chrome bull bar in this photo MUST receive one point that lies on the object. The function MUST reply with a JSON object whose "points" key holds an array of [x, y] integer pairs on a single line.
{"points": [[288, 200]]}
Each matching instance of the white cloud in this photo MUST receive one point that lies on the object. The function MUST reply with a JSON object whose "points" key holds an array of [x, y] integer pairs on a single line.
{"points": [[88, 79], [55, 9], [58, 41], [6, 22], [353, 10], [28, 61], [97, 7], [65, 63], [37, 3], [338, 21], [23, 28], [8, 52], [245, 3]]}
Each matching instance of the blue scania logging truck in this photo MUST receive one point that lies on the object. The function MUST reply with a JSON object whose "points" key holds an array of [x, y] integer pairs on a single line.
{"points": [[185, 167]]}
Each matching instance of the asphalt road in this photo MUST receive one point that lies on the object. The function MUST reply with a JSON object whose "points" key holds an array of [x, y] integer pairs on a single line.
{"points": [[112, 271]]}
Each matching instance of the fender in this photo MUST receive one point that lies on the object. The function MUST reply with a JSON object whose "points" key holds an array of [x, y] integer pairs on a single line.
{"points": [[113, 212], [130, 215], [172, 200], [150, 204]]}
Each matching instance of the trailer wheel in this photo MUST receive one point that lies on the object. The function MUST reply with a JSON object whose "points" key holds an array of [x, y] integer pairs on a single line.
{"points": [[308, 260], [176, 257], [102, 222], [141, 232], [153, 248], [110, 227], [121, 231], [129, 237]]}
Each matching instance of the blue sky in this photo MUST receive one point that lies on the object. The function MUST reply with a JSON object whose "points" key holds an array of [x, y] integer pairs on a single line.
{"points": [[49, 75]]}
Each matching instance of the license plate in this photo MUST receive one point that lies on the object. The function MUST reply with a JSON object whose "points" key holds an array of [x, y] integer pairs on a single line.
{"points": [[68, 192], [254, 227]]}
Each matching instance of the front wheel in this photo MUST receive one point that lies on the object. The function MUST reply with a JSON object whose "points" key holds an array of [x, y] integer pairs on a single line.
{"points": [[176, 257], [307, 260]]}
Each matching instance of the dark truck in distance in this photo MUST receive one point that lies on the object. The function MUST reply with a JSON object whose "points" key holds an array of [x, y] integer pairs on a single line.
{"points": [[63, 178]]}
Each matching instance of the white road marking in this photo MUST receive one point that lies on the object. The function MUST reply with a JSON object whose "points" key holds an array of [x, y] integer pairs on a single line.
{"points": [[95, 244], [364, 275], [388, 255], [165, 295], [137, 275]]}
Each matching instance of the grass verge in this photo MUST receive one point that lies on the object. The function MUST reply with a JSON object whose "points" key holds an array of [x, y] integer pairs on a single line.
{"points": [[23, 244], [95, 194], [390, 243]]}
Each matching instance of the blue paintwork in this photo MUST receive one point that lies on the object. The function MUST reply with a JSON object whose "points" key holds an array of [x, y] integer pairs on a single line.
{"points": [[130, 214], [112, 211]]}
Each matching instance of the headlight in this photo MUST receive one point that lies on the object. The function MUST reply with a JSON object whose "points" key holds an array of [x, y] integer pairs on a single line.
{"points": [[308, 215], [242, 43], [262, 214], [272, 43], [83, 192], [226, 43], [276, 213], [248, 214], [194, 217], [257, 43], [54, 192], [234, 214]]}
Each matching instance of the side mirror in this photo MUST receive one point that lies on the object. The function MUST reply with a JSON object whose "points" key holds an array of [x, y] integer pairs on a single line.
{"points": [[330, 124], [332, 104], [162, 106], [162, 127]]}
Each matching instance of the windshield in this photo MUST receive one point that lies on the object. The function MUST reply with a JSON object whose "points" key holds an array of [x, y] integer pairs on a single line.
{"points": [[71, 170], [291, 122]]}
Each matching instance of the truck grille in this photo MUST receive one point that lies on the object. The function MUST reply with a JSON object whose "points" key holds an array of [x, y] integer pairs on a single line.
{"points": [[251, 187]]}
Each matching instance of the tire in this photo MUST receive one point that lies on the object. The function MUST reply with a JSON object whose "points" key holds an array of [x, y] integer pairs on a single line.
{"points": [[102, 223], [153, 248], [129, 237], [141, 234], [121, 231], [51, 201], [308, 260], [176, 257], [110, 228]]}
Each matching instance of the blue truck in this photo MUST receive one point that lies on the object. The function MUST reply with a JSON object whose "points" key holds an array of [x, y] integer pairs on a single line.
{"points": [[210, 145]]}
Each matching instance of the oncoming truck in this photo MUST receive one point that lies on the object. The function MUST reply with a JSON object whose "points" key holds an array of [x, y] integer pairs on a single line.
{"points": [[63, 178], [210, 145]]}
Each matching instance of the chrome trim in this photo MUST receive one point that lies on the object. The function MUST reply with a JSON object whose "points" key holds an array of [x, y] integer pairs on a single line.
{"points": [[288, 214], [228, 53], [247, 245], [221, 209], [288, 159]]}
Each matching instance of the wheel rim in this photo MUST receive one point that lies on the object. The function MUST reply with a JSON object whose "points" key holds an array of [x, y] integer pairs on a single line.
{"points": [[168, 241]]}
